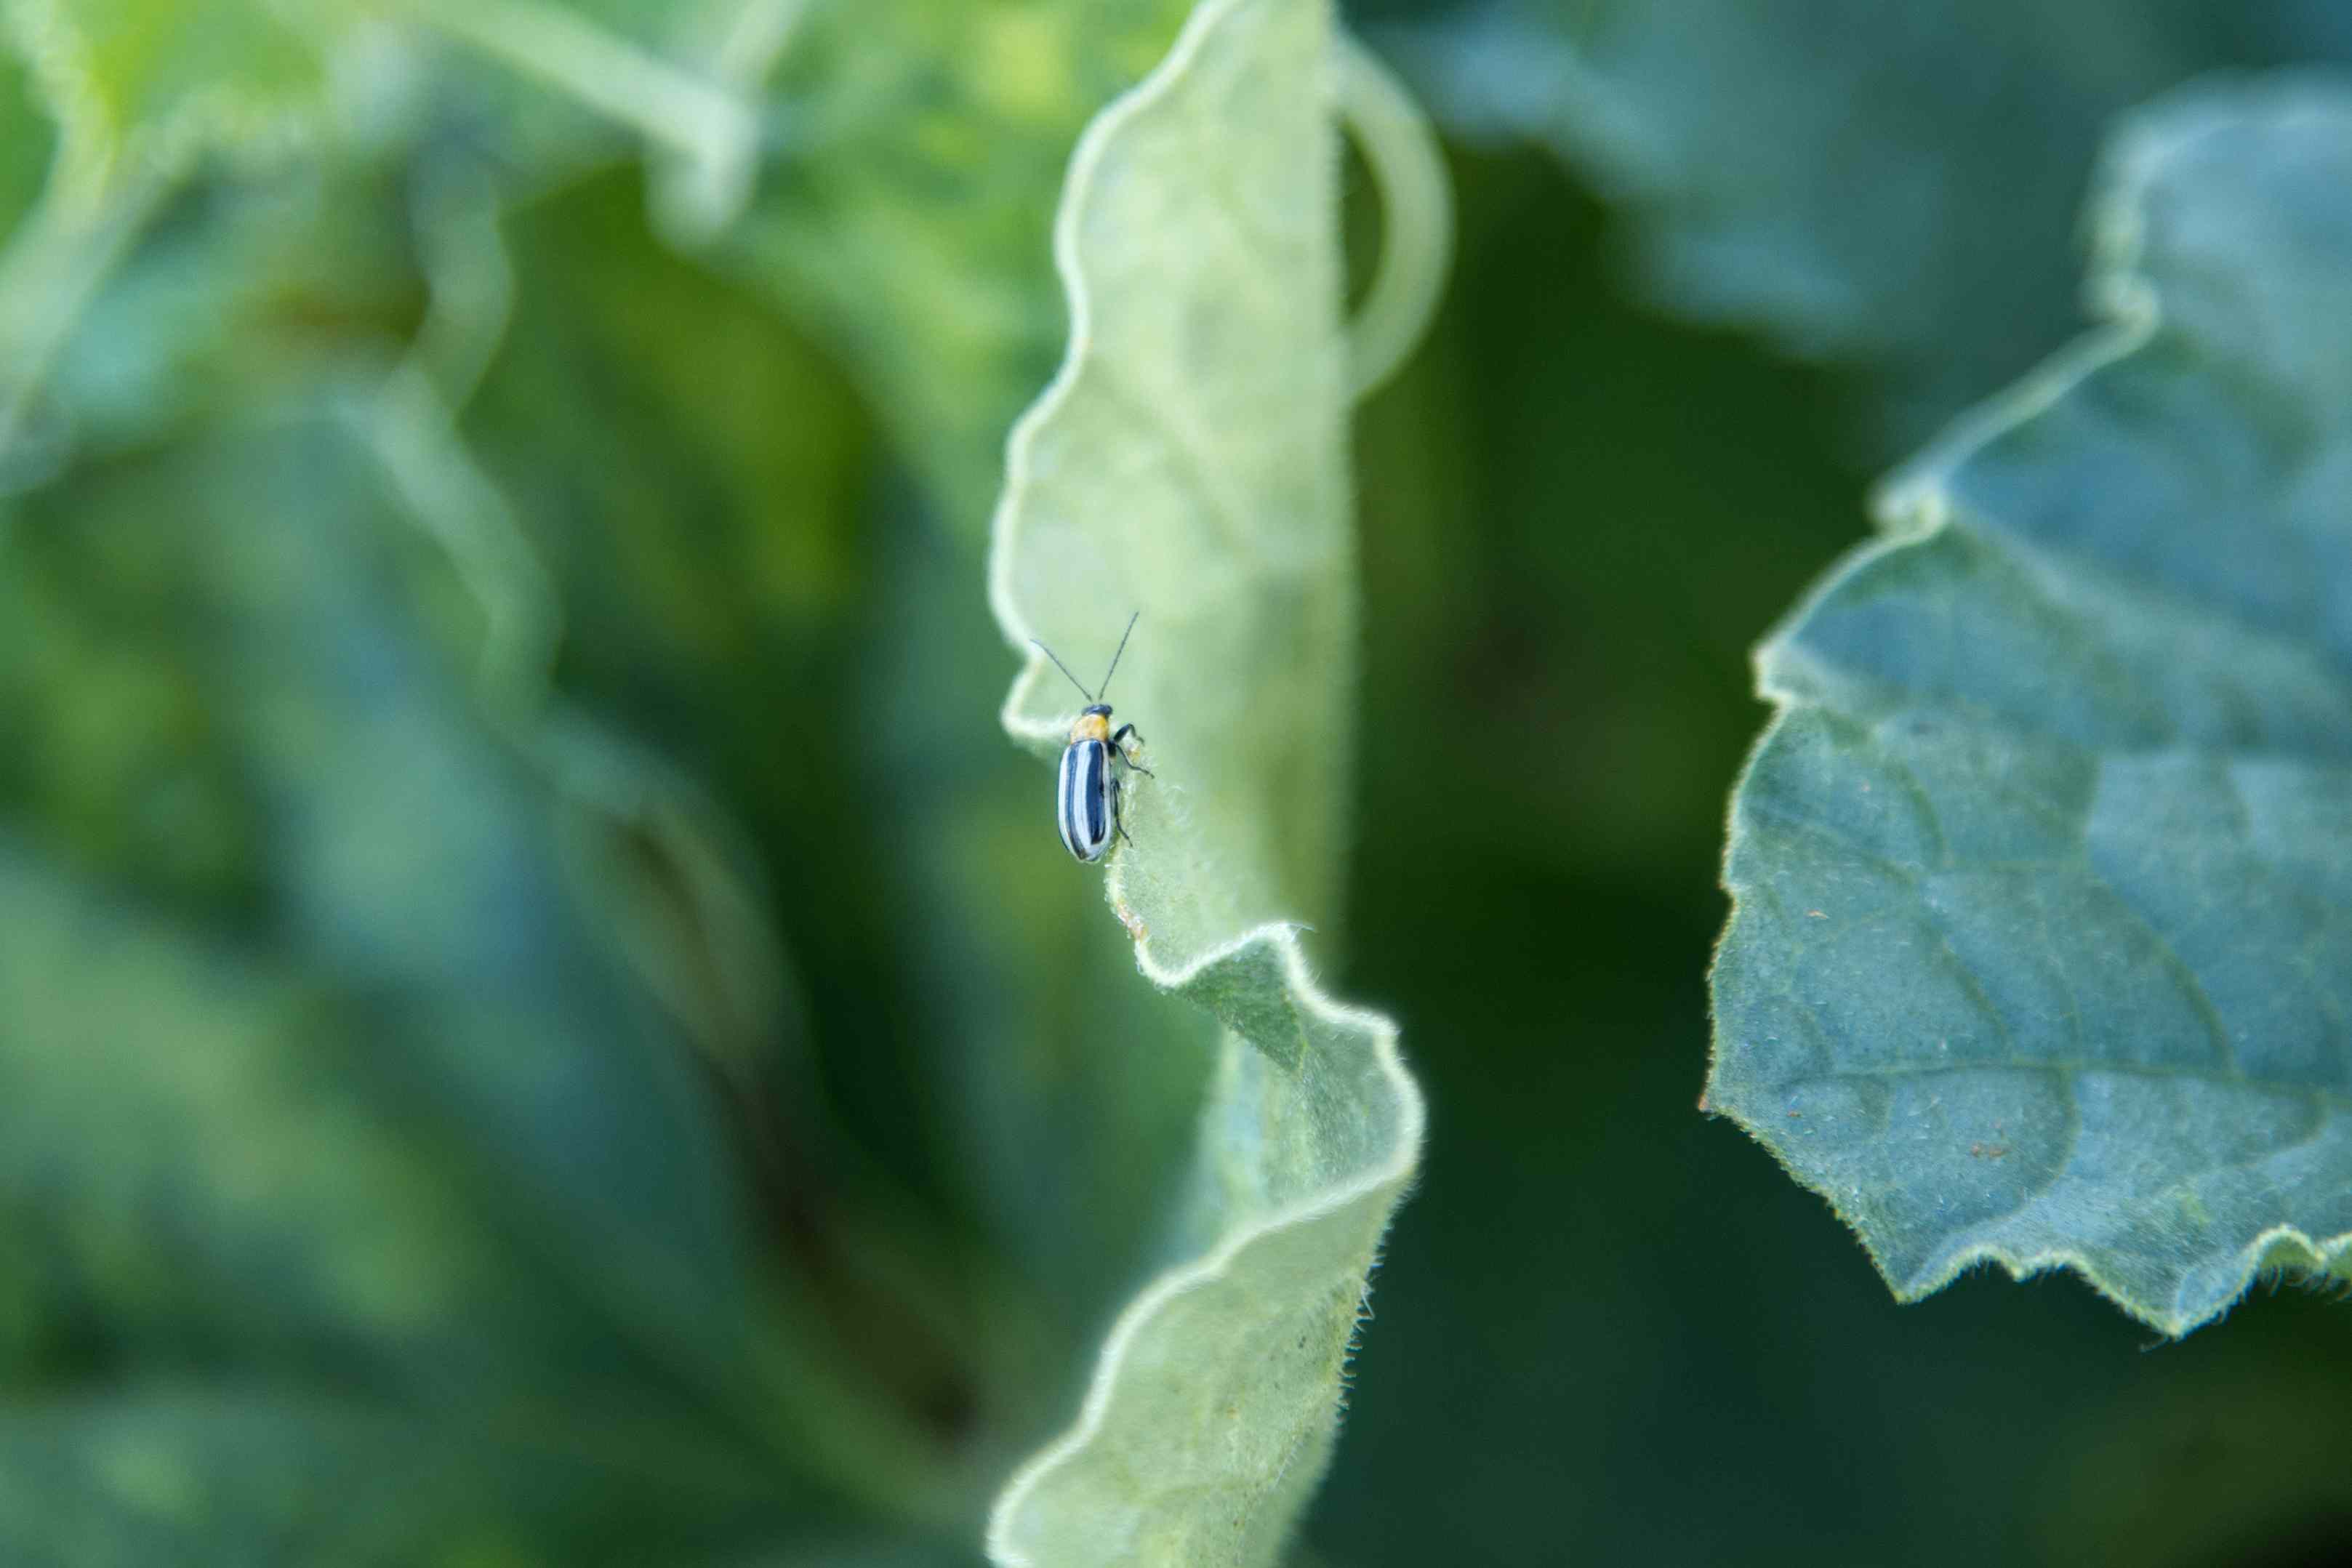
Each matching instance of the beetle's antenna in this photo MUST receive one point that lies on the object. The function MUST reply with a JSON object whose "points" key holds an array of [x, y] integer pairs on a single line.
{"points": [[1122, 648], [1065, 669]]}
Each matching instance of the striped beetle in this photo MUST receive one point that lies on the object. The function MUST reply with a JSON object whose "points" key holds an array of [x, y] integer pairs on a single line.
{"points": [[1085, 792]]}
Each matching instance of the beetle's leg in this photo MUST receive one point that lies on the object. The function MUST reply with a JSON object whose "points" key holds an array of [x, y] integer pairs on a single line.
{"points": [[1119, 740], [1118, 817]]}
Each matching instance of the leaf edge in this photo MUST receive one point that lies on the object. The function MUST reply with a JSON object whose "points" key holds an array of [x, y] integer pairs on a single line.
{"points": [[1912, 504], [1386, 1181]]}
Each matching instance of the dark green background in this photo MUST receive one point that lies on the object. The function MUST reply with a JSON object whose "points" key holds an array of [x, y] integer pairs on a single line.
{"points": [[1608, 1329]]}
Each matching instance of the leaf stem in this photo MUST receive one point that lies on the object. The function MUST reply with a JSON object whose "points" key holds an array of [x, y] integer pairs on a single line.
{"points": [[672, 107], [695, 198], [66, 247], [1417, 210]]}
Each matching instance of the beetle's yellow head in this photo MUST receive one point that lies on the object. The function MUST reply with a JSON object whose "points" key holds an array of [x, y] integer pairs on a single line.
{"points": [[1092, 725]]}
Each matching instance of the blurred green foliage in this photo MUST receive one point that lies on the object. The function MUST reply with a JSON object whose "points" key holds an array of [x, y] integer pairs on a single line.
{"points": [[1890, 188], [540, 1020]]}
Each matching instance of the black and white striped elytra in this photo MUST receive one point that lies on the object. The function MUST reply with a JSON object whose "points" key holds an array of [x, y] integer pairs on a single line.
{"points": [[1086, 800], [1085, 791]]}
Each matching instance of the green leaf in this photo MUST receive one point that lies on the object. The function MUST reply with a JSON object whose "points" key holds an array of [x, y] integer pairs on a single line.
{"points": [[192, 140], [886, 171], [402, 1117], [354, 815], [1891, 186], [205, 1175], [143, 89], [907, 215], [25, 138], [181, 1473], [1190, 462], [2043, 945], [142, 94], [148, 89], [711, 571]]}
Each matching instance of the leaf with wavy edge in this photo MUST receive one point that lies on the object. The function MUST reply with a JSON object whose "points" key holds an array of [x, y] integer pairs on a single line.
{"points": [[2042, 950], [1190, 461]]}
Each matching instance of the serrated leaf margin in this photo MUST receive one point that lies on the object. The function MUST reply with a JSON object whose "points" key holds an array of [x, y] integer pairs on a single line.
{"points": [[1913, 504], [1386, 1179]]}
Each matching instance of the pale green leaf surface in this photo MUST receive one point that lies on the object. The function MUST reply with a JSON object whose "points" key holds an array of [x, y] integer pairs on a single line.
{"points": [[1190, 462], [2043, 944]]}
